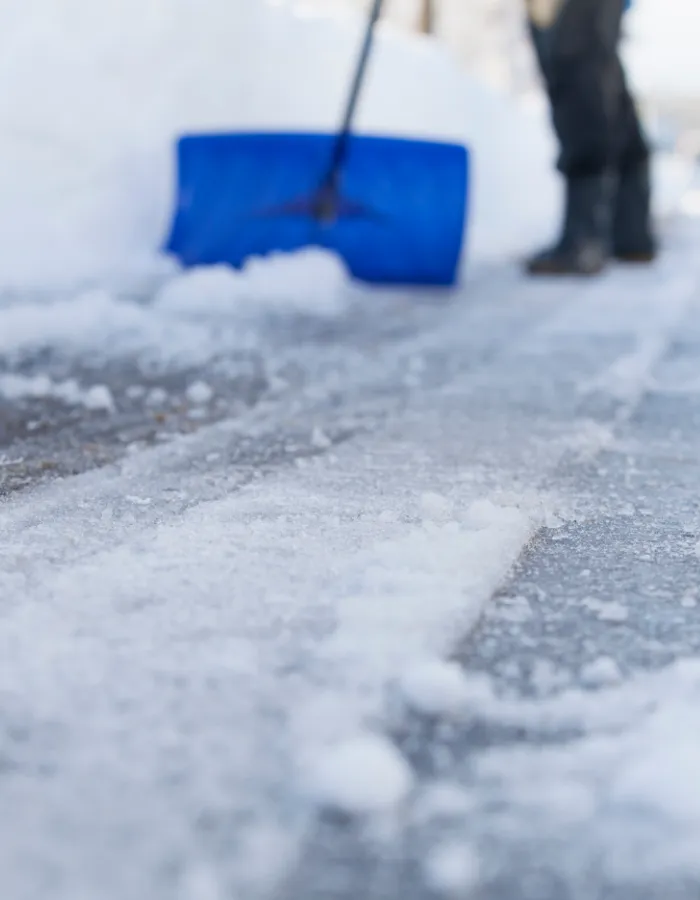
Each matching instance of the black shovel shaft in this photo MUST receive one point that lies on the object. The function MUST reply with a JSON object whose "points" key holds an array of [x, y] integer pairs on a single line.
{"points": [[341, 143]]}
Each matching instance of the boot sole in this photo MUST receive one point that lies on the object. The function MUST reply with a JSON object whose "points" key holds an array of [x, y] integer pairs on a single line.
{"points": [[636, 259], [562, 272]]}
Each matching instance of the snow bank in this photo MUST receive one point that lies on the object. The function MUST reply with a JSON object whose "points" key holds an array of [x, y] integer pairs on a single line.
{"points": [[88, 132], [99, 94]]}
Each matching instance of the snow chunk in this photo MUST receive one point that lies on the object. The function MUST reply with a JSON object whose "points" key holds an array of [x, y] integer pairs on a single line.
{"points": [[157, 396], [512, 609], [363, 775], [600, 672], [135, 391], [607, 610], [312, 281], [689, 600], [320, 440], [202, 289], [440, 802], [546, 677], [21, 387], [99, 397], [452, 869], [613, 612], [589, 439], [437, 688], [199, 393], [199, 882], [436, 508]]}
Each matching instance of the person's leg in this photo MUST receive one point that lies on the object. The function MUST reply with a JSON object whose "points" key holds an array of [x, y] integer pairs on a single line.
{"points": [[577, 50], [633, 237]]}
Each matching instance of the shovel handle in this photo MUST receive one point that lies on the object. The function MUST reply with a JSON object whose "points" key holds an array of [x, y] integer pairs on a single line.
{"points": [[341, 144]]}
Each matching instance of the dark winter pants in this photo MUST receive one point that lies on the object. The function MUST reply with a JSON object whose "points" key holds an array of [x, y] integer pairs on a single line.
{"points": [[592, 110]]}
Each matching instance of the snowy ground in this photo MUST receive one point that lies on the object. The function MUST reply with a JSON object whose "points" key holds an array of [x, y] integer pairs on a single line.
{"points": [[247, 518], [218, 637]]}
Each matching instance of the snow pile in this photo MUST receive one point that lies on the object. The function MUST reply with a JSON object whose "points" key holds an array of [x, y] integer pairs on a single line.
{"points": [[100, 95], [89, 320], [193, 316], [310, 281], [438, 688]]}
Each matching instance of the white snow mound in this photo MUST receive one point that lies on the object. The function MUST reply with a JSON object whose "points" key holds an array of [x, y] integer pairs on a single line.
{"points": [[437, 688], [310, 281], [365, 774]]}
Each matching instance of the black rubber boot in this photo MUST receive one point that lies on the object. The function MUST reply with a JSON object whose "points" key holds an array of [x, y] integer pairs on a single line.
{"points": [[584, 247], [633, 238]]}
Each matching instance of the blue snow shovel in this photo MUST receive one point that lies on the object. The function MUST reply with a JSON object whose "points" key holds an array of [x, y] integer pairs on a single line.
{"points": [[393, 209]]}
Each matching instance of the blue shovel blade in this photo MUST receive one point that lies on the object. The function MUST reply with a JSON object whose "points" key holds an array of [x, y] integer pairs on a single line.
{"points": [[400, 220]]}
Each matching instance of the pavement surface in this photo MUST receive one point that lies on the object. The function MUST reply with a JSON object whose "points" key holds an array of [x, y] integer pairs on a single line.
{"points": [[585, 393]]}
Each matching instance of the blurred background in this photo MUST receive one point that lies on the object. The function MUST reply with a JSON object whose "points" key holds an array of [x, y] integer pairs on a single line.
{"points": [[489, 37]]}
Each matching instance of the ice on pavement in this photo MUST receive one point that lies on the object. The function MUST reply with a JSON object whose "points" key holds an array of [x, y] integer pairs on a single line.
{"points": [[174, 660], [620, 795]]}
